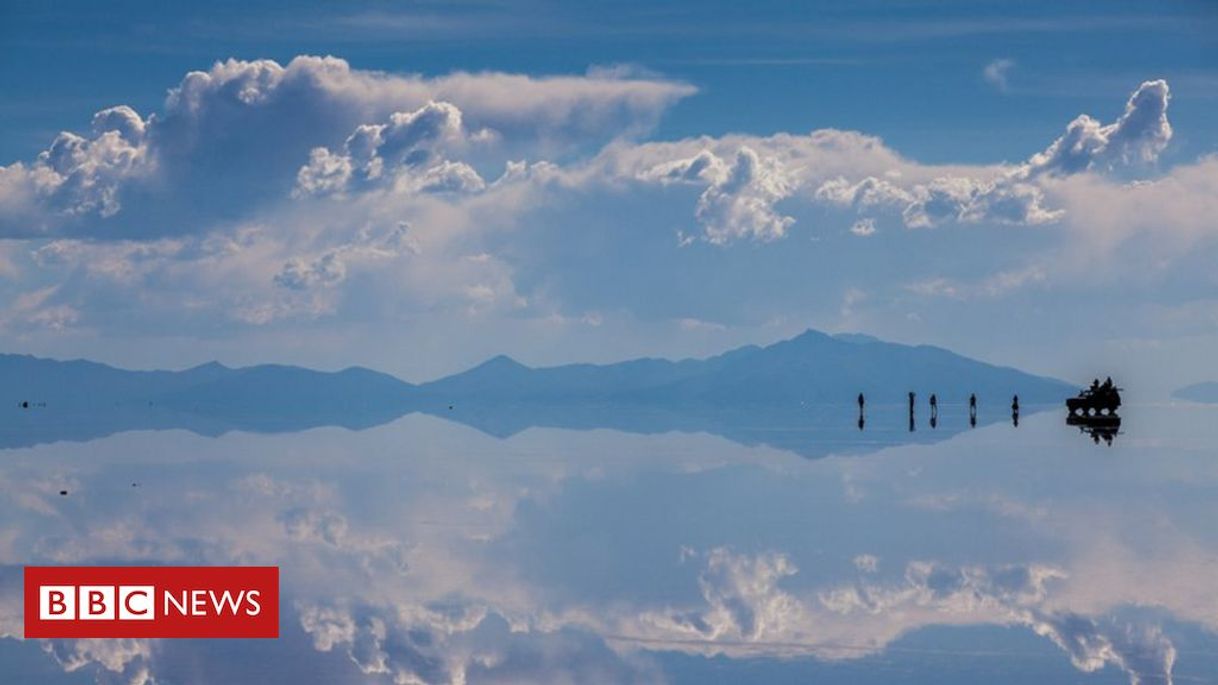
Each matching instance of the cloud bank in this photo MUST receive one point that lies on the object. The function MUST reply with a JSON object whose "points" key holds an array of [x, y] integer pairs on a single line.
{"points": [[269, 197]]}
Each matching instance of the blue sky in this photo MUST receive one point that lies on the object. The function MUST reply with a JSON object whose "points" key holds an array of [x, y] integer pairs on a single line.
{"points": [[695, 176]]}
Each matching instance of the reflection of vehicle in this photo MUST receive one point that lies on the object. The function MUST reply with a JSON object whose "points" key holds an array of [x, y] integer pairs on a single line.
{"points": [[1105, 427], [1098, 399]]}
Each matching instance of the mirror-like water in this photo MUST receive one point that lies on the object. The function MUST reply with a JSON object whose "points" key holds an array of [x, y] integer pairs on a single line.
{"points": [[426, 550]]}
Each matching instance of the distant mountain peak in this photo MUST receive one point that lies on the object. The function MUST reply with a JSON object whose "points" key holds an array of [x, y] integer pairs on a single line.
{"points": [[501, 361]]}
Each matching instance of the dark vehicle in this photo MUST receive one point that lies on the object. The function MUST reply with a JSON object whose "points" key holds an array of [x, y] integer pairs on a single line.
{"points": [[1100, 398]]}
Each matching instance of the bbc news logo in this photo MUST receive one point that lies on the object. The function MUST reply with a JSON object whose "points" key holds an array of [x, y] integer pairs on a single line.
{"points": [[151, 601]]}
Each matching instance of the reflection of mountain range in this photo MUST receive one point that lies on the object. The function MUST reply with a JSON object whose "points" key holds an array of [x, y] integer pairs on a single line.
{"points": [[1198, 392], [787, 393]]}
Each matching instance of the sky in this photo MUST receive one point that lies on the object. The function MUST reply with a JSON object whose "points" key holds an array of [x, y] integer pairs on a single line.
{"points": [[415, 187]]}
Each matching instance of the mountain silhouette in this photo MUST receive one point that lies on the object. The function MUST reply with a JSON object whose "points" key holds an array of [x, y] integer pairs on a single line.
{"points": [[810, 368], [796, 394], [1198, 392]]}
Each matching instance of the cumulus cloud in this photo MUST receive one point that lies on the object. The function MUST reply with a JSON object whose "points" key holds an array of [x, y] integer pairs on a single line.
{"points": [[744, 177], [947, 199], [76, 176], [742, 204], [1015, 196], [406, 153], [703, 167], [249, 199], [234, 138], [1137, 137], [739, 197]]}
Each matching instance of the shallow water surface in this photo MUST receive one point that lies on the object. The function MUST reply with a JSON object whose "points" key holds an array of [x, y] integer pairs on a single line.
{"points": [[427, 550]]}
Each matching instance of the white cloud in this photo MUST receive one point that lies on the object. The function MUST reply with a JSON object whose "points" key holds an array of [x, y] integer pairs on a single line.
{"points": [[703, 167], [232, 139], [997, 72], [406, 153], [1015, 195], [1137, 137], [995, 285], [76, 176], [742, 204], [256, 199]]}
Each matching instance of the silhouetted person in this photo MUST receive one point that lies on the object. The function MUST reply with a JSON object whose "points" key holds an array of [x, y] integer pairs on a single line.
{"points": [[1015, 410], [911, 402], [1095, 385], [934, 405], [861, 402], [972, 410]]}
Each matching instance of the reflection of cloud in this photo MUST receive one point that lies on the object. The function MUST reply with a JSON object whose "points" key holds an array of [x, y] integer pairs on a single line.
{"points": [[748, 614], [863, 227], [467, 606], [1141, 652], [457, 643], [116, 655], [867, 563]]}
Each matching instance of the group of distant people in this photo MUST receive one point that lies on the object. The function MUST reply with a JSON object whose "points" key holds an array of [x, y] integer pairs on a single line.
{"points": [[972, 400], [934, 408], [1096, 386]]}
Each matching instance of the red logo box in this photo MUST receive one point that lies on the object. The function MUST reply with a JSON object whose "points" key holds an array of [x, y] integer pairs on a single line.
{"points": [[152, 601]]}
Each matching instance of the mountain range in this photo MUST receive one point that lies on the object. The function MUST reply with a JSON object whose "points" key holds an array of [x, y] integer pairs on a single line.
{"points": [[1198, 392], [784, 382]]}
